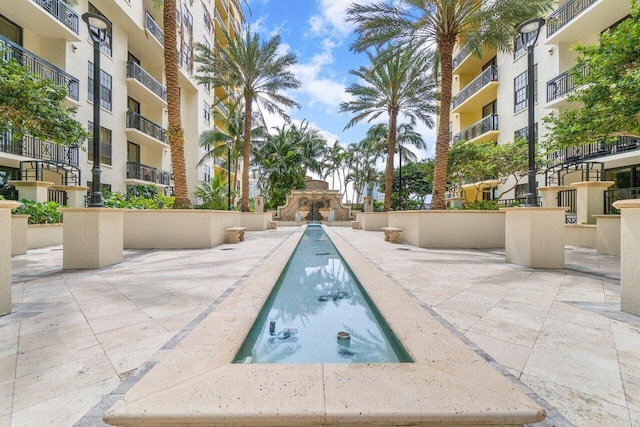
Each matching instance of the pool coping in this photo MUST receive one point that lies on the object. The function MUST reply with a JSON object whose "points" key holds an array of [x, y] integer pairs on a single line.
{"points": [[196, 383]]}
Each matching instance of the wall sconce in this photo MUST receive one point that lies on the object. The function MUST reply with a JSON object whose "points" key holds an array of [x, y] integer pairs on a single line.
{"points": [[551, 51], [74, 48]]}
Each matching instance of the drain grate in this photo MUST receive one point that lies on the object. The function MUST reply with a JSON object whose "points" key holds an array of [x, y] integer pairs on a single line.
{"points": [[404, 249], [227, 249]]}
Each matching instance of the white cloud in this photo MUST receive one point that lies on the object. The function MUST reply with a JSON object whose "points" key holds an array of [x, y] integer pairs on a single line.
{"points": [[332, 18]]}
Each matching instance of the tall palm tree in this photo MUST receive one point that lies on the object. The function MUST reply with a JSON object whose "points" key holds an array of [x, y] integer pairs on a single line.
{"points": [[488, 23], [402, 83], [256, 70], [332, 163]]}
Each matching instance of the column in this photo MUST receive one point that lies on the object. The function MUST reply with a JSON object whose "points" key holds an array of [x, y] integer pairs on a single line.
{"points": [[590, 200], [75, 194], [550, 195], [32, 190], [259, 204], [19, 234], [629, 255], [5, 255], [368, 204]]}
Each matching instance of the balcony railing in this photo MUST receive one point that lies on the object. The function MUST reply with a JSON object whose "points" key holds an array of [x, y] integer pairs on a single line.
{"points": [[593, 150], [154, 29], [563, 84], [615, 194], [223, 109], [488, 75], [137, 72], [147, 173], [461, 56], [62, 12], [219, 19], [481, 127], [28, 146], [39, 66], [565, 14], [146, 126]]}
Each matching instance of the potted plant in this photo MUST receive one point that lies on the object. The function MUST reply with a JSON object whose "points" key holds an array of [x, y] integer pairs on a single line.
{"points": [[325, 212], [303, 211]]}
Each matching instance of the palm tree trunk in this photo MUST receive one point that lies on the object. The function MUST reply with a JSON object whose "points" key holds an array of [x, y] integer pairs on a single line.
{"points": [[445, 47], [246, 152], [388, 183], [175, 132]]}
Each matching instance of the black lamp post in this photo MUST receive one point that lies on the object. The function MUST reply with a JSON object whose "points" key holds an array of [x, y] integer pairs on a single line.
{"points": [[98, 27], [228, 176], [531, 28], [400, 179]]}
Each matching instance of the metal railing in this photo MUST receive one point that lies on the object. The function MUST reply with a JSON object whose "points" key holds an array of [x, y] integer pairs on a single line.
{"points": [[219, 19], [9, 193], [593, 150], [223, 109], [28, 146], [461, 56], [58, 196], [567, 199], [563, 84], [135, 71], [147, 173], [39, 66], [615, 194], [33, 170], [62, 12], [565, 14], [481, 127], [490, 74], [154, 29], [507, 203], [146, 126]]}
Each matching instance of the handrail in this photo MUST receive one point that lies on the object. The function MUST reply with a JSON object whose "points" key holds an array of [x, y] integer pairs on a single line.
{"points": [[154, 29], [565, 14], [465, 51], [136, 121], [137, 72], [62, 12], [28, 146], [147, 173], [40, 67], [563, 83], [486, 124], [490, 74]]}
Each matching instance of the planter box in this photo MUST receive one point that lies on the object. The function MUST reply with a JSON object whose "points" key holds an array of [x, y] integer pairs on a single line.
{"points": [[458, 229], [44, 235], [580, 235], [373, 221], [177, 229], [255, 221], [19, 234], [608, 234]]}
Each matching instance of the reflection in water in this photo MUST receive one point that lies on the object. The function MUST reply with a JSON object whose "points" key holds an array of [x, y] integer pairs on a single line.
{"points": [[316, 298]]}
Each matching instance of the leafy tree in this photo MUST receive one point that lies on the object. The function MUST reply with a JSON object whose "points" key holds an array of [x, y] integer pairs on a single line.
{"points": [[213, 193], [32, 105], [443, 23], [609, 95], [398, 83], [259, 73], [417, 184]]}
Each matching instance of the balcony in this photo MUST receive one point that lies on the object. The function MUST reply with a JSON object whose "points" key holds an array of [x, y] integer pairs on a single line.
{"points": [[559, 87], [40, 67], [144, 132], [224, 110], [140, 172], [154, 29], [485, 129], [594, 150], [33, 148], [48, 19], [583, 20], [143, 87], [479, 92]]}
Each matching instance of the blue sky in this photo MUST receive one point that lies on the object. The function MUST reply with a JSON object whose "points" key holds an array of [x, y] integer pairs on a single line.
{"points": [[317, 32]]}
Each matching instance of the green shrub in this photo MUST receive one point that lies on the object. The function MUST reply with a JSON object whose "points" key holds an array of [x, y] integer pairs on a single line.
{"points": [[41, 213], [482, 205]]}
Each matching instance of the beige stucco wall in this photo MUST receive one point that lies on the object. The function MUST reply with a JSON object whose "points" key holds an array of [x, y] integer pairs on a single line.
{"points": [[44, 235], [19, 234], [5, 255], [255, 221], [372, 221], [583, 235], [608, 234]]}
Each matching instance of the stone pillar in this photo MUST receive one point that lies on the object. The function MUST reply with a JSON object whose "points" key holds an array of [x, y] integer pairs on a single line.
{"points": [[32, 190], [534, 236], [590, 200], [608, 234], [75, 194], [92, 237], [259, 204], [629, 255], [550, 195], [19, 234], [368, 204], [5, 255]]}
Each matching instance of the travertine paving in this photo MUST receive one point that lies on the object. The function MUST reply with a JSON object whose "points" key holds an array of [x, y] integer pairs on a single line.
{"points": [[75, 336]]}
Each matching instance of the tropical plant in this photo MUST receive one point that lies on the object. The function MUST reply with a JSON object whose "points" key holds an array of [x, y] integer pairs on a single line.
{"points": [[259, 73], [489, 23], [333, 162], [40, 213], [30, 104], [214, 194], [141, 197], [417, 183], [400, 83]]}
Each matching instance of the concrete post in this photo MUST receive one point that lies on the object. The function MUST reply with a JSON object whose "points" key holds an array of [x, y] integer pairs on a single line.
{"points": [[5, 255], [534, 236], [550, 195], [92, 237], [75, 194], [608, 234], [629, 255], [19, 234], [590, 200], [32, 190], [368, 204], [259, 204]]}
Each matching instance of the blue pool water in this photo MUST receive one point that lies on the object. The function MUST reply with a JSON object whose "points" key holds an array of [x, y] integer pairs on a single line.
{"points": [[316, 298]]}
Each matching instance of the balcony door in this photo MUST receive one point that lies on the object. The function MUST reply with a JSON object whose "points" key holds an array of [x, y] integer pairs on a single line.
{"points": [[133, 105]]}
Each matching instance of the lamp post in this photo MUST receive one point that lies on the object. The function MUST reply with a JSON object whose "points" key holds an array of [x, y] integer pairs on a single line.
{"points": [[531, 28], [98, 27], [228, 176], [400, 179]]}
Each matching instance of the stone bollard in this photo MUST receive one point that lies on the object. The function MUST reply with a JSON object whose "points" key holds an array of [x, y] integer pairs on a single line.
{"points": [[629, 255], [5, 255]]}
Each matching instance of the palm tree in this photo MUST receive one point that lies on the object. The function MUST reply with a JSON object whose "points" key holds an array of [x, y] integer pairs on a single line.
{"points": [[443, 23], [213, 194], [402, 83], [256, 70], [332, 163]]}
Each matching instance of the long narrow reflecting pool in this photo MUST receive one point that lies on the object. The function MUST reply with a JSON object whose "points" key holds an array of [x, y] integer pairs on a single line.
{"points": [[319, 313]]}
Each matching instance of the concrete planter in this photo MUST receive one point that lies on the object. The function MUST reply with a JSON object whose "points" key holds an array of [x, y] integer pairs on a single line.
{"points": [[459, 229], [580, 235], [608, 234], [44, 235], [19, 234], [373, 221], [177, 229], [255, 221]]}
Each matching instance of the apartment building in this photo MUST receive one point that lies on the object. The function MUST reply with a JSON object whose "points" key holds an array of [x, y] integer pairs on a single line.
{"points": [[490, 103], [50, 38]]}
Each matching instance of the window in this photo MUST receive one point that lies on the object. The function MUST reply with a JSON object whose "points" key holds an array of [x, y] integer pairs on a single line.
{"points": [[105, 88], [524, 133], [521, 43], [206, 86], [207, 19], [10, 30], [206, 112], [105, 46], [206, 170], [520, 90], [521, 191], [105, 144]]}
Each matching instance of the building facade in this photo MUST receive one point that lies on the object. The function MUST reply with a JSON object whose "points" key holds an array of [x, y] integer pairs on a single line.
{"points": [[50, 38], [490, 103]]}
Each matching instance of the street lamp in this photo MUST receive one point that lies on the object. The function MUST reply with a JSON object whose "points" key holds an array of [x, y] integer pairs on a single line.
{"points": [[531, 29], [228, 176], [400, 179], [98, 27]]}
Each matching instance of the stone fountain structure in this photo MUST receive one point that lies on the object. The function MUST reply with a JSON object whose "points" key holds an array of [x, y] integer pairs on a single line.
{"points": [[318, 199]]}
